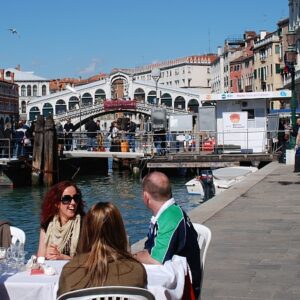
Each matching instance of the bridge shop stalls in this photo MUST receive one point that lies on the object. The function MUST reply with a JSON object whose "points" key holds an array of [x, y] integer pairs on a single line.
{"points": [[240, 122]]}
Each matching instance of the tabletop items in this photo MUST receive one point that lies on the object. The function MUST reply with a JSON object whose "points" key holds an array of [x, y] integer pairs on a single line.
{"points": [[37, 266], [12, 259]]}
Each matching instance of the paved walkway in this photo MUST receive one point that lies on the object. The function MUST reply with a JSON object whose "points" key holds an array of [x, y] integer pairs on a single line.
{"points": [[255, 248]]}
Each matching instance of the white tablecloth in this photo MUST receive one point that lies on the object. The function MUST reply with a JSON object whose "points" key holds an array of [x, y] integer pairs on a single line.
{"points": [[164, 281], [23, 286]]}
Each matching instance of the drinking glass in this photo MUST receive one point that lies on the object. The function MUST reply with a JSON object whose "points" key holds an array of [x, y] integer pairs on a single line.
{"points": [[2, 253], [2, 260], [11, 260]]}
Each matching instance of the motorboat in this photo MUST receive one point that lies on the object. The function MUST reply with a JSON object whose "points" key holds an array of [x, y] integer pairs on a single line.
{"points": [[223, 179]]}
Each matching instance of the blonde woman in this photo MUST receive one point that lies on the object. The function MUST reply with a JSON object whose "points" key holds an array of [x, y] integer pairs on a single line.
{"points": [[102, 257]]}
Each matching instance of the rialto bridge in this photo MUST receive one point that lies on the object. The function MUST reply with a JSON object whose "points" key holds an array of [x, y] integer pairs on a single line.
{"points": [[119, 92]]}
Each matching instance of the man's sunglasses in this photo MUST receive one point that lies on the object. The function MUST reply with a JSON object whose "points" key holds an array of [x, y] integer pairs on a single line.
{"points": [[66, 199]]}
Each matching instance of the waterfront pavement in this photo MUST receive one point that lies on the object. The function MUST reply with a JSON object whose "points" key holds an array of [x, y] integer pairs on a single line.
{"points": [[255, 247]]}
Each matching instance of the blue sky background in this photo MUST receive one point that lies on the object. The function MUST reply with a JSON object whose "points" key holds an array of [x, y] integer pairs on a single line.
{"points": [[72, 38]]}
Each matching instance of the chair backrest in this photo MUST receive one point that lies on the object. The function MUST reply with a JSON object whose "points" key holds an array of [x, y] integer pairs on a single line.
{"points": [[17, 234], [204, 237], [108, 292]]}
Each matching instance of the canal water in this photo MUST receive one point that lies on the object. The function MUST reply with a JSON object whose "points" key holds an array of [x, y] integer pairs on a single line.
{"points": [[21, 206]]}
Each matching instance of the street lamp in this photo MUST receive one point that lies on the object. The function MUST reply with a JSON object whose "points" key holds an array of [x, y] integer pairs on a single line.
{"points": [[290, 60], [155, 74], [74, 91]]}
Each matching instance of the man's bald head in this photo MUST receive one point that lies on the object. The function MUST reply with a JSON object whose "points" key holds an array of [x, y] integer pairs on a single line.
{"points": [[157, 184]]}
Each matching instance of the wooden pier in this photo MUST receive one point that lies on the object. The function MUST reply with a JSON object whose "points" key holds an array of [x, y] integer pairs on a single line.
{"points": [[204, 160]]}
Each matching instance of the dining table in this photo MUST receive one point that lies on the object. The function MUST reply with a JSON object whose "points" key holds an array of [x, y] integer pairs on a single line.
{"points": [[165, 281]]}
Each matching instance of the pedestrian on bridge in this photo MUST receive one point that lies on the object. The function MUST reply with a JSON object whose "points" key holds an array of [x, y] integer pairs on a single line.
{"points": [[68, 130], [91, 127]]}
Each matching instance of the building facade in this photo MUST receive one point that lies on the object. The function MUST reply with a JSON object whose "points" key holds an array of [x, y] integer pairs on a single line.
{"points": [[30, 87], [9, 100], [191, 72]]}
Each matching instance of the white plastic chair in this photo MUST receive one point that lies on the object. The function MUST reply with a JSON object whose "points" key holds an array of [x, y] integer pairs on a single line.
{"points": [[17, 234], [108, 292], [204, 237]]}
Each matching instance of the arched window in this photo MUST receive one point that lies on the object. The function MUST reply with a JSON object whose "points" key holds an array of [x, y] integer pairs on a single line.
{"points": [[151, 97], [44, 90], [23, 90], [33, 113], [99, 96], [28, 90], [34, 90], [166, 99], [87, 99], [23, 107], [73, 103], [139, 95], [193, 105], [47, 110], [60, 107], [179, 103]]}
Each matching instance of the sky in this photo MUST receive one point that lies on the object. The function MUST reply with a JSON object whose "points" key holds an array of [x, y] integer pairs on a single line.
{"points": [[81, 38]]}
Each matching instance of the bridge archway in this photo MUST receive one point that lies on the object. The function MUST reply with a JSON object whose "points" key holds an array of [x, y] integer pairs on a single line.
{"points": [[100, 96], [119, 87], [166, 99], [179, 102], [60, 107], [47, 109], [87, 100], [34, 113], [139, 95], [151, 97], [193, 105], [73, 103]]}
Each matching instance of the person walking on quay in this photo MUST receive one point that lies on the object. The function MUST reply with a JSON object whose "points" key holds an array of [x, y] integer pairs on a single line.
{"points": [[297, 152], [102, 258], [295, 128], [2, 141], [171, 231], [60, 137], [131, 128], [68, 129], [91, 128], [21, 140], [61, 218], [8, 151]]}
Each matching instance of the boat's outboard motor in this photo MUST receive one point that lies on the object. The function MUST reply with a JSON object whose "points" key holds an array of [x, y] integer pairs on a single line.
{"points": [[208, 184]]}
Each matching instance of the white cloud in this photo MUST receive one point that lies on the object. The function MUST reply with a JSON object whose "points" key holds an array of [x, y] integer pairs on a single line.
{"points": [[91, 67]]}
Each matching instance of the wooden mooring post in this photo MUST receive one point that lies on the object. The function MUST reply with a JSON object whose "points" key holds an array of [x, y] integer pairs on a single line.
{"points": [[37, 156], [45, 158]]}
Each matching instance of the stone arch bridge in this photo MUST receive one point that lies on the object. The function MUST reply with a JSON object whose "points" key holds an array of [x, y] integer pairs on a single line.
{"points": [[111, 95]]}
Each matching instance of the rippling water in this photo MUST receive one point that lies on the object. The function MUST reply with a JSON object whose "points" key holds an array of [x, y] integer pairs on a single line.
{"points": [[22, 206]]}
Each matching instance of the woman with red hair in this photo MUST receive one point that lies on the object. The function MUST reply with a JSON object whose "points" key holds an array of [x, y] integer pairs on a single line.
{"points": [[61, 218]]}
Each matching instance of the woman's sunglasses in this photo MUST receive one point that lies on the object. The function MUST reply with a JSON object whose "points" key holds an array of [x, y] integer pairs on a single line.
{"points": [[66, 199]]}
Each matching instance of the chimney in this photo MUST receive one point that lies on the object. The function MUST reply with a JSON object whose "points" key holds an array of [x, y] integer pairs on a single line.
{"points": [[18, 67], [262, 34], [12, 76], [219, 51]]}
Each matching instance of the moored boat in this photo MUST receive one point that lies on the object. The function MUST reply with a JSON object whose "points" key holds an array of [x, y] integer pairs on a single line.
{"points": [[223, 178]]}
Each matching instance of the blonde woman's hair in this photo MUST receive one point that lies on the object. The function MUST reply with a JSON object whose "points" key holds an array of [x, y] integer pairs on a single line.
{"points": [[104, 238]]}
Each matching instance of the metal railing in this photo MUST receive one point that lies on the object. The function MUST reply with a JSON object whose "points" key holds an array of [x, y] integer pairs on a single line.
{"points": [[159, 144]]}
